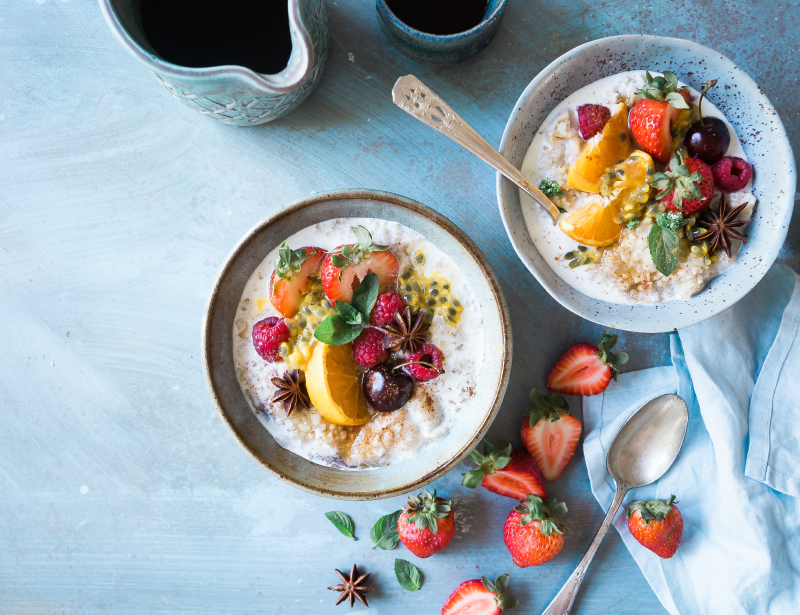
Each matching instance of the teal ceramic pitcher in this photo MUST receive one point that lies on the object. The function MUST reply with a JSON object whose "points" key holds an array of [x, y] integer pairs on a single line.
{"points": [[234, 94]]}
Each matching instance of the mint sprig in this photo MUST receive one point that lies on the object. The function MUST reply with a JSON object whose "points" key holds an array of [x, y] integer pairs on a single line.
{"points": [[342, 522], [408, 575], [384, 533], [344, 256], [290, 261], [664, 241], [351, 318]]}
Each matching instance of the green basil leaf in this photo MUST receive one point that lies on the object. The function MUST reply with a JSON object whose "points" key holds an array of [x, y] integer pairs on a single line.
{"points": [[335, 331], [363, 236], [350, 314], [665, 247], [384, 533], [366, 295], [342, 522], [408, 575]]}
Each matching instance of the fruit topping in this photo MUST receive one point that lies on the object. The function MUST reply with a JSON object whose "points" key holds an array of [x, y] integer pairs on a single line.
{"points": [[433, 294], [595, 224], [731, 174], [686, 186], [334, 386], [292, 277], [291, 390], [406, 332], [480, 597], [351, 318], [627, 184], [708, 138], [268, 334], [585, 369], [656, 524], [550, 434], [580, 256], [650, 122], [427, 525], [533, 531], [512, 474], [387, 304], [387, 389], [345, 267], [611, 146], [425, 364], [721, 226], [368, 348], [592, 119], [353, 587], [313, 309]]}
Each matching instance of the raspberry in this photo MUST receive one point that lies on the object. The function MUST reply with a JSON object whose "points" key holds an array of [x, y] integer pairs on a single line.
{"points": [[385, 307], [592, 119], [268, 334], [731, 173], [430, 354], [368, 348]]}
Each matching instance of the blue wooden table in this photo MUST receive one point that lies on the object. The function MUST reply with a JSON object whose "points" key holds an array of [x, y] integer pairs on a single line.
{"points": [[121, 490]]}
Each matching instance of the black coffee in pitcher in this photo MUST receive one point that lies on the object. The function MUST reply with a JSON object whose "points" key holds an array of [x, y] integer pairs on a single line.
{"points": [[439, 16], [202, 33]]}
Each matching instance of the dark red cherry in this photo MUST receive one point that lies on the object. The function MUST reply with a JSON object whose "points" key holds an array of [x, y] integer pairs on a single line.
{"points": [[708, 140], [387, 389]]}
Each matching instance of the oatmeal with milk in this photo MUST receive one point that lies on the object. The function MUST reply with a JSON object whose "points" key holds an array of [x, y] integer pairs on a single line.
{"points": [[356, 342], [652, 184]]}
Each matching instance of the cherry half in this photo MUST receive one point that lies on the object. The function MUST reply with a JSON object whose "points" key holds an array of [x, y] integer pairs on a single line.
{"points": [[387, 389], [708, 140]]}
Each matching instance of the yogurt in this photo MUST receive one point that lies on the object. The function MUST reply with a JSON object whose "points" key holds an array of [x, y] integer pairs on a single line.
{"points": [[388, 437]]}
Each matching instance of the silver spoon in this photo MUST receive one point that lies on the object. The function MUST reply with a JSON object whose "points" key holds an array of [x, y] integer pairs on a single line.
{"points": [[642, 452], [418, 100]]}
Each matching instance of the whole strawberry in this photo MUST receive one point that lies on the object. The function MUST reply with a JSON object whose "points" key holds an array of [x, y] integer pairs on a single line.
{"points": [[480, 597], [427, 525], [504, 472], [533, 532], [686, 186], [550, 434], [268, 335], [585, 369], [656, 524]]}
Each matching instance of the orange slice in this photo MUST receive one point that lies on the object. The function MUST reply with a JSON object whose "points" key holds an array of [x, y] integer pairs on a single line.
{"points": [[612, 147], [334, 387], [595, 224]]}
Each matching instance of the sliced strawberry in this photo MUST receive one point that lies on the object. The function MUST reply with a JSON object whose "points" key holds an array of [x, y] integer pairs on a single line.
{"points": [[480, 597], [339, 283], [550, 435], [512, 474], [287, 292], [585, 369], [650, 121]]}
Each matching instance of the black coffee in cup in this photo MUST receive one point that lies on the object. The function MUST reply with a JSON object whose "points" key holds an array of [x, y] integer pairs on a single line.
{"points": [[439, 16]]}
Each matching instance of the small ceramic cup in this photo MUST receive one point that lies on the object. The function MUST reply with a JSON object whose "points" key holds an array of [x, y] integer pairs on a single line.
{"points": [[440, 49]]}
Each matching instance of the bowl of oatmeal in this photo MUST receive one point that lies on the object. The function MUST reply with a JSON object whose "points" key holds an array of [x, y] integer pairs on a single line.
{"points": [[357, 344], [674, 202]]}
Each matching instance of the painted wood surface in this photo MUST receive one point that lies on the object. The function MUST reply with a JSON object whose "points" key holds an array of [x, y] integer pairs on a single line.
{"points": [[121, 490]]}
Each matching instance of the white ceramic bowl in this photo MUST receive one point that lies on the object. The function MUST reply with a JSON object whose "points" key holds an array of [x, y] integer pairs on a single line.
{"points": [[745, 106]]}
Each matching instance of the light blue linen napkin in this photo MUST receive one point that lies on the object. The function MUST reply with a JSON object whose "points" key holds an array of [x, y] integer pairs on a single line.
{"points": [[737, 478]]}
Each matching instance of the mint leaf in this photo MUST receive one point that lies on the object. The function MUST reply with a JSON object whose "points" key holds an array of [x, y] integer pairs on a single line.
{"points": [[335, 331], [664, 245], [363, 236], [366, 295], [384, 533], [342, 522], [408, 575], [350, 314]]}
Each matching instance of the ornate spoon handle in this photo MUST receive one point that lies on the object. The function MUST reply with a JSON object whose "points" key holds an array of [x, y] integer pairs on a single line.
{"points": [[418, 100], [562, 603]]}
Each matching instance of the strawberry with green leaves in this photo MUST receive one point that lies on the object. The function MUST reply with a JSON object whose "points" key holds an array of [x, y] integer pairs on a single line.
{"points": [[533, 531], [345, 267], [506, 472], [292, 277], [686, 186], [427, 525], [656, 524], [480, 597], [585, 369], [550, 434]]}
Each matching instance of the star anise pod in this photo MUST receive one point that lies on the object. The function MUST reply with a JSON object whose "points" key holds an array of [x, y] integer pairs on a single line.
{"points": [[353, 587], [405, 332], [720, 226], [291, 390]]}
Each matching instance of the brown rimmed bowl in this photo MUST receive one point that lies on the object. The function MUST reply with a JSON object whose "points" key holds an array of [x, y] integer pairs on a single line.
{"points": [[218, 365]]}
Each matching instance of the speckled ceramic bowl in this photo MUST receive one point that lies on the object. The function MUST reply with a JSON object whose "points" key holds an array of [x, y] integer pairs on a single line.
{"points": [[744, 104], [440, 49], [218, 365]]}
